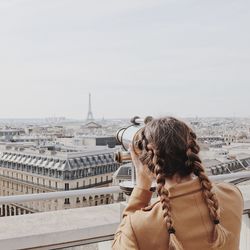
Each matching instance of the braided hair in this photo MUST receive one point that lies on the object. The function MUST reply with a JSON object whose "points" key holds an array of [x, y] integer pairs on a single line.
{"points": [[168, 147]]}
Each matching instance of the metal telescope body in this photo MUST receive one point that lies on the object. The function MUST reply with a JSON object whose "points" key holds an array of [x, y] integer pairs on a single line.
{"points": [[127, 136]]}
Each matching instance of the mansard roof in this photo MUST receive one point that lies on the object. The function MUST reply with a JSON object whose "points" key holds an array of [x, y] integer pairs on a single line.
{"points": [[60, 161], [124, 171]]}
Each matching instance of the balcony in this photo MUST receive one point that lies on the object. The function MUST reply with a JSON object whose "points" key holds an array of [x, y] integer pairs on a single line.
{"points": [[92, 226]]}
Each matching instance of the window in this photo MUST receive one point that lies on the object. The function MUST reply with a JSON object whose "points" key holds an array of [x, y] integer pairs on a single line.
{"points": [[130, 172], [66, 186], [66, 201], [49, 183], [95, 180], [107, 178], [56, 184], [121, 196], [77, 200], [77, 185], [89, 181], [83, 183]]}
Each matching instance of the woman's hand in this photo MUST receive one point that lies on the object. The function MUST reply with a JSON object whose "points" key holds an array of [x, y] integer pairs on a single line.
{"points": [[144, 176]]}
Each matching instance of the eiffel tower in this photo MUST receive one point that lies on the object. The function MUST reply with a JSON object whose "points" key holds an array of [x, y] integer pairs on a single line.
{"points": [[90, 116]]}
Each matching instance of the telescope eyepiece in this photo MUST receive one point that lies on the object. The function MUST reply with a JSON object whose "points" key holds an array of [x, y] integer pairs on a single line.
{"points": [[133, 120]]}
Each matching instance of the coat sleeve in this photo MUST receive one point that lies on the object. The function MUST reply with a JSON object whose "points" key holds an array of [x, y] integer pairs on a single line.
{"points": [[125, 236]]}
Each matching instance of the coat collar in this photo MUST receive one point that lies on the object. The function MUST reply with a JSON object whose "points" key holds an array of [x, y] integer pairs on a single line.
{"points": [[179, 190], [184, 188]]}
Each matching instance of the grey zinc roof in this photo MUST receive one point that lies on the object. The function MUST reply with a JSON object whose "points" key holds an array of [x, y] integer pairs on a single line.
{"points": [[123, 171], [69, 162], [243, 156], [211, 162]]}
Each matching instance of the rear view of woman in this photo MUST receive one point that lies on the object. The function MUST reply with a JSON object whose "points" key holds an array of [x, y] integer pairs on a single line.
{"points": [[191, 213]]}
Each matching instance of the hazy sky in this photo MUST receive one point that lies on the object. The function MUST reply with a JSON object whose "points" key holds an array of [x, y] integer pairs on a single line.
{"points": [[136, 57]]}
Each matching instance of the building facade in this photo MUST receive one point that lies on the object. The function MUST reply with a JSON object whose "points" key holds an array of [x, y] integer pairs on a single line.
{"points": [[32, 171]]}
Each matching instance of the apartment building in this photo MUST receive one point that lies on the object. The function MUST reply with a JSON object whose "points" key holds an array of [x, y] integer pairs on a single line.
{"points": [[27, 171]]}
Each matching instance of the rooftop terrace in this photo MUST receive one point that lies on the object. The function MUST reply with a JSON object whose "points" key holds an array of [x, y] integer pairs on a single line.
{"points": [[91, 226]]}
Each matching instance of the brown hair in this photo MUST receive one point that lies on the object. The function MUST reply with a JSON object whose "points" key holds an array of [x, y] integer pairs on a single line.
{"points": [[169, 147]]}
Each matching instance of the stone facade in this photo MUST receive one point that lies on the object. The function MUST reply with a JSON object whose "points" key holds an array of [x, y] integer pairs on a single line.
{"points": [[29, 172]]}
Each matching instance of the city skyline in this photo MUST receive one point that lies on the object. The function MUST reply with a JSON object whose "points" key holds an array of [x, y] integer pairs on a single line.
{"points": [[185, 59]]}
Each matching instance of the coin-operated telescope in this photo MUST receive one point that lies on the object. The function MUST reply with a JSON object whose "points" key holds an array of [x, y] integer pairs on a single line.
{"points": [[129, 136]]}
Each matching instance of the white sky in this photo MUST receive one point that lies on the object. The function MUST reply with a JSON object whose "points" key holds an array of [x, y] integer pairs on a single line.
{"points": [[136, 57]]}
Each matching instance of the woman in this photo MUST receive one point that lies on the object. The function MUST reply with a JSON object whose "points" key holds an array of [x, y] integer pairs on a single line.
{"points": [[191, 213]]}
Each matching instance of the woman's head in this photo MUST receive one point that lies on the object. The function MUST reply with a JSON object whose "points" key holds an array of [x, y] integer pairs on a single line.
{"points": [[172, 142], [169, 147]]}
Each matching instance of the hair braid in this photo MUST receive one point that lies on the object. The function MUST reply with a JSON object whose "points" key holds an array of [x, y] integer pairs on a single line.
{"points": [[174, 244], [146, 154], [149, 157], [219, 233], [156, 165]]}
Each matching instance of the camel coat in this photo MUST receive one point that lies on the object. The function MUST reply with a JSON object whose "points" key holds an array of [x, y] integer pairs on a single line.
{"points": [[142, 226]]}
